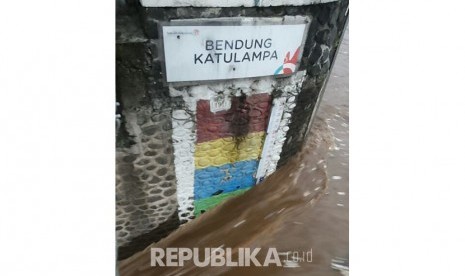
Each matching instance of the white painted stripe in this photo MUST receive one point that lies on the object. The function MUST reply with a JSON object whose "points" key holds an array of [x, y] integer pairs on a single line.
{"points": [[273, 126], [184, 136], [276, 133]]}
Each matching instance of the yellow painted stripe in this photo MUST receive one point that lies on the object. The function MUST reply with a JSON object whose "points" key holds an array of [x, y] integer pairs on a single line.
{"points": [[229, 150]]}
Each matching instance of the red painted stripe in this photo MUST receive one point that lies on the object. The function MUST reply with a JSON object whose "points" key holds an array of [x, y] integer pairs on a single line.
{"points": [[247, 115]]}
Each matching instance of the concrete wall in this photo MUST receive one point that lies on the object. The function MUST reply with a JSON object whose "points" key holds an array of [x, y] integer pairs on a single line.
{"points": [[176, 157]]}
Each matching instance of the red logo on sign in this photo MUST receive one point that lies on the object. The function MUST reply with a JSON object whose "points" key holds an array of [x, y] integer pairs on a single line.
{"points": [[289, 63]]}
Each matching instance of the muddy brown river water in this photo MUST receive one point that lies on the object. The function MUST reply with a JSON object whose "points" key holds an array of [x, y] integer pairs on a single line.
{"points": [[294, 210]]}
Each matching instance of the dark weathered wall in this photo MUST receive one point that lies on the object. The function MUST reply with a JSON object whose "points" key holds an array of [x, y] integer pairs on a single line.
{"points": [[146, 184], [323, 40]]}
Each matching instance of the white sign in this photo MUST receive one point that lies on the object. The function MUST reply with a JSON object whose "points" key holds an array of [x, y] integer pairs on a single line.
{"points": [[195, 53]]}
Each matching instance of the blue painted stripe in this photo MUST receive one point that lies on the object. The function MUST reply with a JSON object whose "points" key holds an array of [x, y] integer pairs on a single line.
{"points": [[227, 178]]}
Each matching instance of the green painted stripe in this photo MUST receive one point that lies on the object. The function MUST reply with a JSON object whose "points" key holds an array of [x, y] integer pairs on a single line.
{"points": [[208, 203]]}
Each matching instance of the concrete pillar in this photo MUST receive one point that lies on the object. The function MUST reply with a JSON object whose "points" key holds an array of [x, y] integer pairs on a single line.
{"points": [[182, 149]]}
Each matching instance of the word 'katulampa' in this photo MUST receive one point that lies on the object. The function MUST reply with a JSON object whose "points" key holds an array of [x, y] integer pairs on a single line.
{"points": [[235, 57]]}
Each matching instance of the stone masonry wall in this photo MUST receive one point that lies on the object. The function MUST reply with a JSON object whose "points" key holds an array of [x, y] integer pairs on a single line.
{"points": [[156, 130]]}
